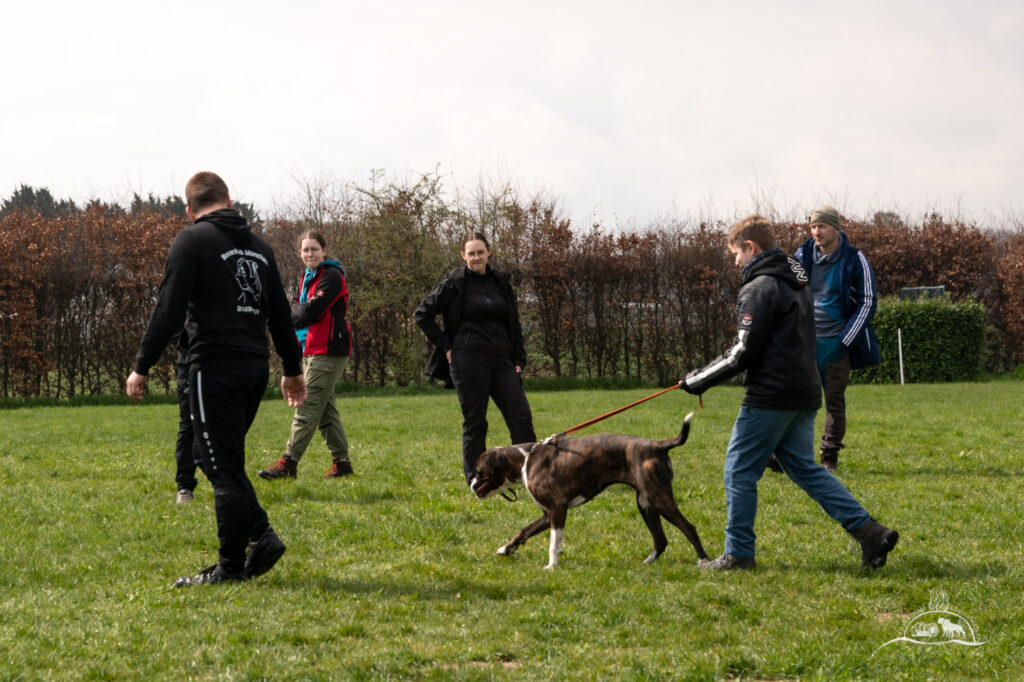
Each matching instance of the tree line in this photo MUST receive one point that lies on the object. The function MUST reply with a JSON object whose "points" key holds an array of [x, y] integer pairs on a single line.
{"points": [[77, 283]]}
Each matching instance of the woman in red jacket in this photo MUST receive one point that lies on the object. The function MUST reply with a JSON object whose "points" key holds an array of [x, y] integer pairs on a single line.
{"points": [[326, 338]]}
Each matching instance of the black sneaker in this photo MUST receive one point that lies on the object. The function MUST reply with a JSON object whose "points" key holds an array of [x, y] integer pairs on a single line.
{"points": [[728, 562], [210, 575], [775, 465], [876, 541], [263, 554]]}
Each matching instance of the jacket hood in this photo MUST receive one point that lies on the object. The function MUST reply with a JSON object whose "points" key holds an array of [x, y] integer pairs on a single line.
{"points": [[232, 222], [326, 262], [775, 263], [334, 264]]}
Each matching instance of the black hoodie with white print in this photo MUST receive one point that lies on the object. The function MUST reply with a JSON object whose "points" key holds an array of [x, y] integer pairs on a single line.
{"points": [[221, 281]]}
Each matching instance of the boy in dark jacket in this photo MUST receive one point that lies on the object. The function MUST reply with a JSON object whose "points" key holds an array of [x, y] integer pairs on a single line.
{"points": [[775, 346]]}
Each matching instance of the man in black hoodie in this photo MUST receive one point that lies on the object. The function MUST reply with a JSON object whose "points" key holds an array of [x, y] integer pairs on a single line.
{"points": [[775, 345], [222, 284]]}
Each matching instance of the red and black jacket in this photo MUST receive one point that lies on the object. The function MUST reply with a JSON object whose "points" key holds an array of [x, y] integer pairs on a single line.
{"points": [[323, 313]]}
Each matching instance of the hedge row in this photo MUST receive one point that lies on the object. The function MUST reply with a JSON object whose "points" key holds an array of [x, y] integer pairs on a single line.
{"points": [[645, 305], [932, 339]]}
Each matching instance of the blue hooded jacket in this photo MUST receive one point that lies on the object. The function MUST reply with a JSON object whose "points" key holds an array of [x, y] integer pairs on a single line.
{"points": [[858, 308]]}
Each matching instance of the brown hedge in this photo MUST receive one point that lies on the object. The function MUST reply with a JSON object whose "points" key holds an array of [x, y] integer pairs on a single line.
{"points": [[76, 290]]}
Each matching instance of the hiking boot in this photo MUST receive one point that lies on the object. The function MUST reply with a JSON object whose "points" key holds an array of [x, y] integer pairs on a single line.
{"points": [[286, 467], [339, 468], [774, 465], [829, 459], [210, 575], [262, 554], [728, 562], [184, 496], [876, 541]]}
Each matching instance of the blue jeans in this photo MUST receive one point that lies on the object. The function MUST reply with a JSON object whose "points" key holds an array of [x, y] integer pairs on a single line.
{"points": [[789, 434]]}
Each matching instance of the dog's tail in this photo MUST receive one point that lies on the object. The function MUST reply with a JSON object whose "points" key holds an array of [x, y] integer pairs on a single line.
{"points": [[684, 433]]}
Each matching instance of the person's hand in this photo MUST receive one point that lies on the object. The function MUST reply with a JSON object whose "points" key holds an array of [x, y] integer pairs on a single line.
{"points": [[519, 370], [294, 390], [448, 354], [133, 386]]}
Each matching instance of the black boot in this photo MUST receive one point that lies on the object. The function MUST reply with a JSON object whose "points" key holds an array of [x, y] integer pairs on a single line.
{"points": [[829, 459], [876, 541]]}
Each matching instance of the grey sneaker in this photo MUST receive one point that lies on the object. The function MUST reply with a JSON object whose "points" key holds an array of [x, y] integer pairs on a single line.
{"points": [[184, 496], [728, 562]]}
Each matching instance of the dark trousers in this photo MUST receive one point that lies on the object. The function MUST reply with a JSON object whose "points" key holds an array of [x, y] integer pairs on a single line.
{"points": [[186, 450], [481, 375], [835, 377], [224, 405]]}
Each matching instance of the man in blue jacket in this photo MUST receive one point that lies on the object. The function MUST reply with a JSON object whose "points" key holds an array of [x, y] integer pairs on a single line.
{"points": [[845, 300]]}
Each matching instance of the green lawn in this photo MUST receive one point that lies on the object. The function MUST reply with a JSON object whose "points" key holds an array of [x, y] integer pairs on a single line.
{"points": [[391, 574]]}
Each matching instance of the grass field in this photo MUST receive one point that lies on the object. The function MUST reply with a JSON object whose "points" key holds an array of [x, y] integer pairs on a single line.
{"points": [[391, 574]]}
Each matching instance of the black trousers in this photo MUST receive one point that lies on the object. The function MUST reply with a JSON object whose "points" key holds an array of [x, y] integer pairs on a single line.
{"points": [[481, 375], [224, 405], [186, 450]]}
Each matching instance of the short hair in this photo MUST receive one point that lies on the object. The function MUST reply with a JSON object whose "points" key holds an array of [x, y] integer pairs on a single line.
{"points": [[205, 189], [313, 234], [753, 228], [475, 237]]}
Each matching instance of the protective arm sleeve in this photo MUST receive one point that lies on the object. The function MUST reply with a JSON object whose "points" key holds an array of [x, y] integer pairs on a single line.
{"points": [[755, 315]]}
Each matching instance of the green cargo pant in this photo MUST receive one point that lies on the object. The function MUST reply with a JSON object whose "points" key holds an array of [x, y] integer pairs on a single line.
{"points": [[319, 410]]}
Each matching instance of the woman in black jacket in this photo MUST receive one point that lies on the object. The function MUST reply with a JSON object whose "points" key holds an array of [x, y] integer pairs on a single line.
{"points": [[479, 348]]}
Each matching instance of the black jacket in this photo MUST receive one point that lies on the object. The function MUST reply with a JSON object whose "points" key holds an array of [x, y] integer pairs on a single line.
{"points": [[446, 300], [222, 283], [775, 340]]}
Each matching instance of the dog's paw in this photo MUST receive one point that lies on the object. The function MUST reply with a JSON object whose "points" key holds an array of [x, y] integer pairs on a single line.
{"points": [[551, 566], [506, 550]]}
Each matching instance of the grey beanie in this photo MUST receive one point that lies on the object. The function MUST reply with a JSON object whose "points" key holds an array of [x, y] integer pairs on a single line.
{"points": [[826, 214]]}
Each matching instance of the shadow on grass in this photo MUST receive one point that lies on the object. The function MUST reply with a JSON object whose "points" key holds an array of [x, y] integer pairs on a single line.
{"points": [[914, 566], [953, 469], [315, 493], [430, 589]]}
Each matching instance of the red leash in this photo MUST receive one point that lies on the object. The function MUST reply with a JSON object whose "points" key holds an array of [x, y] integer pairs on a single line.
{"points": [[614, 412]]}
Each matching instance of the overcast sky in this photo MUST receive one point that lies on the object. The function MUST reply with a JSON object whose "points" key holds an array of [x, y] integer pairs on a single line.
{"points": [[625, 111]]}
